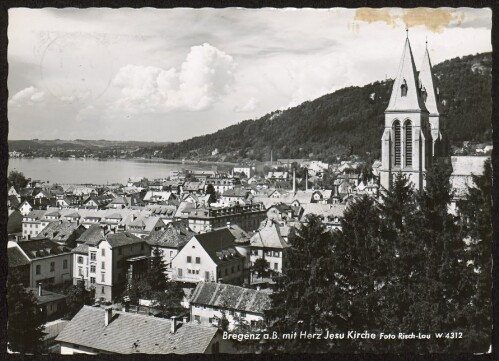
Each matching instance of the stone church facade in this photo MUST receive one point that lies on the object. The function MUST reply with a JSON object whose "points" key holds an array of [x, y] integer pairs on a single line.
{"points": [[414, 135]]}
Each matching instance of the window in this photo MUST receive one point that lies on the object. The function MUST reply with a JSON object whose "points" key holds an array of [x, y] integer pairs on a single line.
{"points": [[103, 265], [80, 271], [396, 130], [268, 253], [189, 271], [197, 272], [52, 266], [198, 260], [103, 290], [188, 259], [103, 277], [92, 268], [242, 314], [92, 256], [276, 253], [180, 272], [80, 259], [171, 253], [276, 266], [38, 269], [92, 280], [103, 252], [206, 276], [408, 143], [65, 264]]}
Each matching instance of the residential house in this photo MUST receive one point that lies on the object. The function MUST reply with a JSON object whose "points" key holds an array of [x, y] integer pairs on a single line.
{"points": [[50, 263], [193, 187], [209, 300], [209, 256], [236, 195], [277, 176], [143, 226], [19, 263], [268, 243], [109, 260], [243, 169], [153, 197], [283, 213], [106, 331], [14, 222], [51, 304], [13, 202], [64, 233], [13, 192], [170, 241], [222, 184], [33, 223], [330, 214]]}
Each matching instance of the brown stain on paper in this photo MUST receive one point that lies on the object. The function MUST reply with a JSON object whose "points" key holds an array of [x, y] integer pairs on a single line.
{"points": [[435, 20]]}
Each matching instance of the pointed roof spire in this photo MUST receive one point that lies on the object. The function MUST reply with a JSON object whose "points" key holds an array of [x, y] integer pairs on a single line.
{"points": [[428, 82], [406, 94]]}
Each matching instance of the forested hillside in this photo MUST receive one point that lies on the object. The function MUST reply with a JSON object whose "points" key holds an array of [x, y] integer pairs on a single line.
{"points": [[350, 120]]}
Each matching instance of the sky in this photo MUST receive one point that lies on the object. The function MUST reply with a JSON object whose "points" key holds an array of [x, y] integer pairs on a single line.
{"points": [[172, 74]]}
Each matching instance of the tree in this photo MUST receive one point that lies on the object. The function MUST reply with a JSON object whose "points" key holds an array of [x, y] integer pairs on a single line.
{"points": [[261, 267], [304, 299], [156, 274], [17, 179], [210, 189], [476, 214], [169, 300], [77, 297], [25, 325]]}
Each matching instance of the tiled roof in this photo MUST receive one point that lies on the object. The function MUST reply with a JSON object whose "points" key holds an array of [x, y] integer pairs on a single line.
{"points": [[325, 210], [231, 297], [16, 257], [82, 248], [134, 333], [268, 236], [218, 244], [60, 231], [171, 238], [36, 214], [92, 235], [122, 239], [38, 248]]}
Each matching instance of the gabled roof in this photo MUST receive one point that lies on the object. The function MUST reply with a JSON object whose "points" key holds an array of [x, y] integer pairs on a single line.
{"points": [[36, 214], [231, 297], [60, 231], [428, 81], [268, 236], [92, 235], [38, 248], [219, 245], [82, 248], [122, 239], [170, 238], [16, 257], [130, 333], [406, 74], [324, 210]]}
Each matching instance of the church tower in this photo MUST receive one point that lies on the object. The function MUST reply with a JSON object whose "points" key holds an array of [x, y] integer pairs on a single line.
{"points": [[406, 144], [430, 94]]}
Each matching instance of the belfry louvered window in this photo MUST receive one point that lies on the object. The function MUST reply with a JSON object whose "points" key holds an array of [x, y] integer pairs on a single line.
{"points": [[403, 88], [408, 143], [396, 151]]}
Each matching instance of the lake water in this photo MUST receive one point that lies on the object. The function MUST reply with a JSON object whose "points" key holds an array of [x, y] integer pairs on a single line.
{"points": [[74, 171]]}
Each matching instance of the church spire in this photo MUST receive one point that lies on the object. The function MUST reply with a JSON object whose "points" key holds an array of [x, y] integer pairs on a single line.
{"points": [[430, 93], [406, 94]]}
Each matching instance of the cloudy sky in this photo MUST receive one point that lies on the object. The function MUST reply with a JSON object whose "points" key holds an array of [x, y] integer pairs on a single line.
{"points": [[171, 74]]}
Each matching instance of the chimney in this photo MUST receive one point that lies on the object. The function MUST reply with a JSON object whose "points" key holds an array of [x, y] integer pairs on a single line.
{"points": [[108, 315], [173, 326], [40, 289], [294, 181]]}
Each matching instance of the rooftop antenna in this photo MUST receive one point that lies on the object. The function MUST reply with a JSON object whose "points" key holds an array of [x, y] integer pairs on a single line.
{"points": [[426, 42], [406, 32]]}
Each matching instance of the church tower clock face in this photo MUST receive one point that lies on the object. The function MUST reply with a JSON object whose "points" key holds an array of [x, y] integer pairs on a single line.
{"points": [[414, 134]]}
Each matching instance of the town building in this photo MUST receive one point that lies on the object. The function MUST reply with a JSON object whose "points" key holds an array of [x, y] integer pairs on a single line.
{"points": [[96, 331], [248, 217], [241, 305], [50, 263], [51, 304], [210, 256]]}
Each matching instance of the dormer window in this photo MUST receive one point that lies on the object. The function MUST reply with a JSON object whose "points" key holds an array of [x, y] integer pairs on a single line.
{"points": [[403, 88]]}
